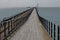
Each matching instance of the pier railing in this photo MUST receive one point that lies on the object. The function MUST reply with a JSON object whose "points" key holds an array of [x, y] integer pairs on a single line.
{"points": [[52, 29], [9, 25]]}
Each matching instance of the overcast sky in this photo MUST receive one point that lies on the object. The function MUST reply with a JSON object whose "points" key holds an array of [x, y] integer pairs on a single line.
{"points": [[25, 3]]}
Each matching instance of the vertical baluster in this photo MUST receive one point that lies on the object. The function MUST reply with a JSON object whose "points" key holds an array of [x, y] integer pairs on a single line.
{"points": [[14, 23], [51, 29], [11, 24], [54, 31], [1, 34], [8, 23], [4, 30], [47, 25], [58, 33], [8, 29], [45, 22], [0, 31]]}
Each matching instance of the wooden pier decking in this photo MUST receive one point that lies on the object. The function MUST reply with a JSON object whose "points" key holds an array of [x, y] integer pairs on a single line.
{"points": [[31, 30]]}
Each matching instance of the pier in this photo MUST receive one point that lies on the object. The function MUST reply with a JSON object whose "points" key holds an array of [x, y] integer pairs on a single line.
{"points": [[28, 25]]}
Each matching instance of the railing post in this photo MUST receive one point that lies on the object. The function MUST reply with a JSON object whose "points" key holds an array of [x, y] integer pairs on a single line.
{"points": [[4, 24], [58, 35], [0, 31], [48, 26], [51, 28], [8, 28], [54, 31], [11, 24]]}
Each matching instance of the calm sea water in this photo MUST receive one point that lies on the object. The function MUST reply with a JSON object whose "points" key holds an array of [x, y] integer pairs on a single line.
{"points": [[50, 13], [7, 12]]}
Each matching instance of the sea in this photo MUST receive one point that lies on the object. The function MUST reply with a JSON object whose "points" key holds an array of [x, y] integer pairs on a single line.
{"points": [[8, 12], [51, 14]]}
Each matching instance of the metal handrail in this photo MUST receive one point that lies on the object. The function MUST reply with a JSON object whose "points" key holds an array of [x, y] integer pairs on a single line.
{"points": [[9, 25], [51, 28]]}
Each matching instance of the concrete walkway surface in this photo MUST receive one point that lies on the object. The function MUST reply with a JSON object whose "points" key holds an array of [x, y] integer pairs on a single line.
{"points": [[31, 30]]}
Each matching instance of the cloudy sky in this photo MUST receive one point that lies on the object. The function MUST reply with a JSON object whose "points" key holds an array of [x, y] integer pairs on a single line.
{"points": [[25, 3]]}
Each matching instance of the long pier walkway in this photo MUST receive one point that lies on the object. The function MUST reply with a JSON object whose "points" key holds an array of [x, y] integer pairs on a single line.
{"points": [[31, 30]]}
